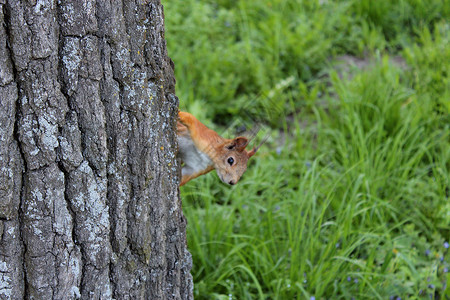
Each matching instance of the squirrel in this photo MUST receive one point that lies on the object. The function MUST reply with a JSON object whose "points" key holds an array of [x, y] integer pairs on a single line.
{"points": [[202, 150]]}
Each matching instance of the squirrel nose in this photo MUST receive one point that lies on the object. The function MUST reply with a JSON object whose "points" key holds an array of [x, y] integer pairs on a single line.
{"points": [[231, 182]]}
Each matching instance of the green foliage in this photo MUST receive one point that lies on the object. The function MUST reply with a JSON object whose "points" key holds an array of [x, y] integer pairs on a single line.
{"points": [[241, 50], [397, 19], [349, 197], [428, 59]]}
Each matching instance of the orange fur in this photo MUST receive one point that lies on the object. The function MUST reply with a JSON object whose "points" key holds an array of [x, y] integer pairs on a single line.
{"points": [[202, 150], [187, 178]]}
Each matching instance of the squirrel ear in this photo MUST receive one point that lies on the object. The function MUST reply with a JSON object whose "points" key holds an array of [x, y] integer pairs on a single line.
{"points": [[252, 152], [239, 143]]}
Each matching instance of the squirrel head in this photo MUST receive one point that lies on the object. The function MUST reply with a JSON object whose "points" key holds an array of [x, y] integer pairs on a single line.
{"points": [[232, 159]]}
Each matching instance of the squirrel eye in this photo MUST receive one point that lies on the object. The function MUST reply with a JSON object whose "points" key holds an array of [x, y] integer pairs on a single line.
{"points": [[230, 161]]}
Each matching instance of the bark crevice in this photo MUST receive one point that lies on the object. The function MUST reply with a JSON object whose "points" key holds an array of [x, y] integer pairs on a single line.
{"points": [[95, 211], [16, 140]]}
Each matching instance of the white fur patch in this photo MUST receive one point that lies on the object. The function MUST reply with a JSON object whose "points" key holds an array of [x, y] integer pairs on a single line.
{"points": [[194, 160]]}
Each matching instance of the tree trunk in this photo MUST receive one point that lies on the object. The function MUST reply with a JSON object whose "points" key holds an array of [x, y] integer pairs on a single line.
{"points": [[89, 203]]}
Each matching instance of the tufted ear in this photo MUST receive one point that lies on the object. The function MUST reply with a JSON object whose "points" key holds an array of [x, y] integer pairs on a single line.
{"points": [[253, 151], [238, 143]]}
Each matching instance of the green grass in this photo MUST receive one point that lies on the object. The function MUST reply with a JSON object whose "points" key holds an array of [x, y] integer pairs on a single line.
{"points": [[349, 197]]}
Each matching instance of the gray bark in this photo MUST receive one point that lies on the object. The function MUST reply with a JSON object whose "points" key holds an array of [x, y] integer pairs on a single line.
{"points": [[89, 202]]}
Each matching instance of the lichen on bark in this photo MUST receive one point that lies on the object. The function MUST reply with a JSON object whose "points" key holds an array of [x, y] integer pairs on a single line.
{"points": [[89, 203]]}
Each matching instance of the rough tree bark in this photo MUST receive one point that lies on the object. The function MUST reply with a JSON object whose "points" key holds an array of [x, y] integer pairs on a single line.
{"points": [[89, 204]]}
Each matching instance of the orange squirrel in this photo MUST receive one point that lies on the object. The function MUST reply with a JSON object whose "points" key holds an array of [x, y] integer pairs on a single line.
{"points": [[201, 150]]}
